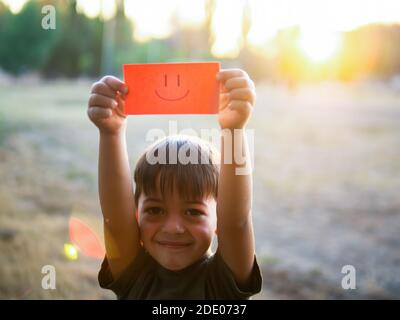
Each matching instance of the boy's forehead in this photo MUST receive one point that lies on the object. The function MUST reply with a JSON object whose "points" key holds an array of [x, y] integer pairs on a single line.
{"points": [[170, 190], [157, 195], [170, 194]]}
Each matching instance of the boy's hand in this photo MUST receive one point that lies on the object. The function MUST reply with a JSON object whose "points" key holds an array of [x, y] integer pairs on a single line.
{"points": [[106, 104], [236, 99]]}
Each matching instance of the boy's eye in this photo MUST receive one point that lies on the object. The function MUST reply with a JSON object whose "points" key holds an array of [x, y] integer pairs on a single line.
{"points": [[153, 211], [194, 212]]}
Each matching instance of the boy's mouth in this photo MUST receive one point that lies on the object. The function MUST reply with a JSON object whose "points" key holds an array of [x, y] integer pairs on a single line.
{"points": [[174, 244]]}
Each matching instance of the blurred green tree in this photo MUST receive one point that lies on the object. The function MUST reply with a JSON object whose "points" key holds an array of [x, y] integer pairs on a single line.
{"points": [[24, 44], [77, 48]]}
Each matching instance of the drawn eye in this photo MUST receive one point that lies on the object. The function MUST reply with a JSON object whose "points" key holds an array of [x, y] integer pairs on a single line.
{"points": [[179, 82], [165, 80]]}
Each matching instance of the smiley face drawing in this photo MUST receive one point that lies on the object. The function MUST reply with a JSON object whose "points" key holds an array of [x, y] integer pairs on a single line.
{"points": [[172, 88], [175, 83]]}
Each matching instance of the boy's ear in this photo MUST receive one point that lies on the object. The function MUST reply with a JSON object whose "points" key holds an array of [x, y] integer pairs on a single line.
{"points": [[137, 215]]}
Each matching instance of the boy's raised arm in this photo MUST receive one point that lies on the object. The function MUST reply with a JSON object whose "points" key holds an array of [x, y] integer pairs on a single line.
{"points": [[121, 231], [234, 203]]}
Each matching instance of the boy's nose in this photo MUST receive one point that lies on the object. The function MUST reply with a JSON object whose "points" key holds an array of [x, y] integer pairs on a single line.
{"points": [[173, 225]]}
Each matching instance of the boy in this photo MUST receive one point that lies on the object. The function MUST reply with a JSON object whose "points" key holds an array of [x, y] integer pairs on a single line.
{"points": [[164, 253]]}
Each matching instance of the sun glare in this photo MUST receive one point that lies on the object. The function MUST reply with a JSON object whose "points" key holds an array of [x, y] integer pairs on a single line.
{"points": [[94, 8], [15, 5], [151, 19], [191, 13], [226, 28], [319, 45]]}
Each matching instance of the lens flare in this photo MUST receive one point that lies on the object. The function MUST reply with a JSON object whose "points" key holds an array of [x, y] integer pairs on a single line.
{"points": [[70, 251], [85, 239]]}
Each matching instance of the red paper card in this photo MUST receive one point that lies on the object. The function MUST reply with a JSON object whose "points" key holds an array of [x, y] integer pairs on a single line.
{"points": [[172, 88]]}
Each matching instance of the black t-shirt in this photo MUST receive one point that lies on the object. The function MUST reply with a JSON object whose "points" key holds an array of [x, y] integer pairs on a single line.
{"points": [[209, 278]]}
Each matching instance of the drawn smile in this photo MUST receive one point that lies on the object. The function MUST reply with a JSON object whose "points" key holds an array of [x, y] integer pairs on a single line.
{"points": [[172, 99]]}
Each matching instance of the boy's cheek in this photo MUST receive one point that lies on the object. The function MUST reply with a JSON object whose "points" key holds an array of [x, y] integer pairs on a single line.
{"points": [[145, 219], [146, 229], [204, 230]]}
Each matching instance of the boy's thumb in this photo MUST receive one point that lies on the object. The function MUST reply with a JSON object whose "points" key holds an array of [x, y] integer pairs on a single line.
{"points": [[120, 109], [124, 90]]}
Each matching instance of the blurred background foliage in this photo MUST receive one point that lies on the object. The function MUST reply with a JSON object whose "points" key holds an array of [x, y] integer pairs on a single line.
{"points": [[91, 46]]}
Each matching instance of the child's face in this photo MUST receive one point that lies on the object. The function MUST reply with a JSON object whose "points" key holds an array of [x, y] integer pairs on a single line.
{"points": [[176, 233]]}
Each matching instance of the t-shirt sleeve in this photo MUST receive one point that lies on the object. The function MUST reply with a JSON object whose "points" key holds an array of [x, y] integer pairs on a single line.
{"points": [[224, 284], [122, 285]]}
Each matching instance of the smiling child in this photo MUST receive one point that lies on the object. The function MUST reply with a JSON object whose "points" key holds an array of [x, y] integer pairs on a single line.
{"points": [[164, 250]]}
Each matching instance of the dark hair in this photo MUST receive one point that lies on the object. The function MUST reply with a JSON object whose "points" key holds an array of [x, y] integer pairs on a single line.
{"points": [[194, 180]]}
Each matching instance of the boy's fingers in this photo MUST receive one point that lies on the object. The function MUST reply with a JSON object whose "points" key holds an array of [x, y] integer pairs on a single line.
{"points": [[239, 82], [226, 74], [243, 107], [222, 88], [102, 101], [98, 113], [103, 89], [223, 101], [224, 97], [120, 110], [243, 94], [115, 84]]}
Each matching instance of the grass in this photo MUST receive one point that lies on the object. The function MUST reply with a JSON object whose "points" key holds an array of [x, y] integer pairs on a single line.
{"points": [[325, 185]]}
